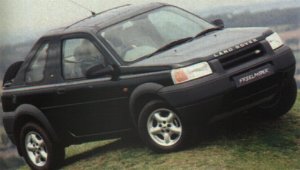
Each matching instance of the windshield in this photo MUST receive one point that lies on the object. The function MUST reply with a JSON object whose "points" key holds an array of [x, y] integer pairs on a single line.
{"points": [[142, 35]]}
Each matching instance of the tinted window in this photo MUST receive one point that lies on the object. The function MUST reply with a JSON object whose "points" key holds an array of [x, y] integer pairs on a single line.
{"points": [[172, 26], [78, 56], [35, 71], [142, 35]]}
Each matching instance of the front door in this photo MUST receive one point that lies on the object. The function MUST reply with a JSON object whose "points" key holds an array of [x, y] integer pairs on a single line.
{"points": [[88, 106]]}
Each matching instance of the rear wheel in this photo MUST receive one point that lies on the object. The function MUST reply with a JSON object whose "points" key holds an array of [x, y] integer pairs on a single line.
{"points": [[39, 151], [283, 102], [161, 128]]}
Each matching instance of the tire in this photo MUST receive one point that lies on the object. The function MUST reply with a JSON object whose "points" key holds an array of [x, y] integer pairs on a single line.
{"points": [[169, 132], [39, 151], [283, 102]]}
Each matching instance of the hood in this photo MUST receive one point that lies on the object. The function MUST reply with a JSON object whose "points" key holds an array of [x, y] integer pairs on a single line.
{"points": [[205, 46]]}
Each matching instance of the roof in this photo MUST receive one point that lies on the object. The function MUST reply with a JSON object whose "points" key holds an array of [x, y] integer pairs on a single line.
{"points": [[106, 18]]}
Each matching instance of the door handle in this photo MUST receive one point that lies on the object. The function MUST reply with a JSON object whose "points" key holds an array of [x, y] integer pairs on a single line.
{"points": [[61, 91]]}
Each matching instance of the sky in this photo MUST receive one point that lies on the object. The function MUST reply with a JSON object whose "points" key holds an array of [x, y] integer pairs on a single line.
{"points": [[29, 18]]}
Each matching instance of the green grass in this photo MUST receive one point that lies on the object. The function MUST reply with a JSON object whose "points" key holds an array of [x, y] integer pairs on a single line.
{"points": [[241, 143]]}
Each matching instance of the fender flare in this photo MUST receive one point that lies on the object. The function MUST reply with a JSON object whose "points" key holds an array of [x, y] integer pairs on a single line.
{"points": [[142, 90], [37, 114]]}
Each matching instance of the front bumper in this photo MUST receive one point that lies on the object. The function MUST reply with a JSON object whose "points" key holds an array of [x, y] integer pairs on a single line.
{"points": [[218, 95]]}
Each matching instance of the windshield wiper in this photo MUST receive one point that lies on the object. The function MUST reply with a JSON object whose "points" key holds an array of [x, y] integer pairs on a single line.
{"points": [[207, 31], [170, 45], [181, 41]]}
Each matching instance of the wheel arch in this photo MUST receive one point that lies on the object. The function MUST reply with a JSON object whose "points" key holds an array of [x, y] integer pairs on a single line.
{"points": [[26, 113], [142, 95]]}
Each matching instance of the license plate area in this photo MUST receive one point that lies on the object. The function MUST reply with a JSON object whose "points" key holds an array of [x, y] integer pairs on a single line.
{"points": [[253, 75]]}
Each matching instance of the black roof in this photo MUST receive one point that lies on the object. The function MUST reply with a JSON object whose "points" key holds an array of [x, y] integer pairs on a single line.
{"points": [[106, 18]]}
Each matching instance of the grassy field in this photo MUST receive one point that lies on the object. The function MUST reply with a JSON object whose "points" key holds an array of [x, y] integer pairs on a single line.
{"points": [[240, 143]]}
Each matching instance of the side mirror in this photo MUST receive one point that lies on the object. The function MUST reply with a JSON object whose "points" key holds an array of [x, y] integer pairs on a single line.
{"points": [[99, 70], [219, 23]]}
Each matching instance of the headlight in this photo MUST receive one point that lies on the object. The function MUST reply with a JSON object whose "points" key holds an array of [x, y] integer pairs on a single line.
{"points": [[189, 73], [274, 41]]}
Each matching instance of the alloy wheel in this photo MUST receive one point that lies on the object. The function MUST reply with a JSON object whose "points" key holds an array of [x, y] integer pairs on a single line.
{"points": [[164, 127]]}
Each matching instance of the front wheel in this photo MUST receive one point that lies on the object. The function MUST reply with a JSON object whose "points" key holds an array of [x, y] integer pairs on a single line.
{"points": [[39, 151], [161, 128]]}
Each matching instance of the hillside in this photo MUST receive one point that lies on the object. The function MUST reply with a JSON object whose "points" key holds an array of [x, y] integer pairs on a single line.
{"points": [[269, 18], [258, 7], [242, 143]]}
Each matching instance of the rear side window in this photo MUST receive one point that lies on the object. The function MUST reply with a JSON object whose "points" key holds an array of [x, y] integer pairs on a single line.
{"points": [[36, 69]]}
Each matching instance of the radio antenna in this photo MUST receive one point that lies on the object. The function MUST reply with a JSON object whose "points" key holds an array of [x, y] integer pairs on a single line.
{"points": [[77, 4]]}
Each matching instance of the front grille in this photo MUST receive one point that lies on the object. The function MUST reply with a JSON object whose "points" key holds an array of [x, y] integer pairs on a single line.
{"points": [[242, 57], [253, 92]]}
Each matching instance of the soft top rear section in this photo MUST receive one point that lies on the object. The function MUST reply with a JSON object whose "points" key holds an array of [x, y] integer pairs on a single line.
{"points": [[11, 73]]}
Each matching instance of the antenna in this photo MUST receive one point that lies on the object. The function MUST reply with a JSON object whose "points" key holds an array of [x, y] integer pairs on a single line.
{"points": [[77, 4], [96, 14]]}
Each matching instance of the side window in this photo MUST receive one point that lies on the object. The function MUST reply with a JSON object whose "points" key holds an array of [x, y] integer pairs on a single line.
{"points": [[78, 56], [36, 69]]}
